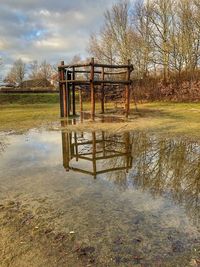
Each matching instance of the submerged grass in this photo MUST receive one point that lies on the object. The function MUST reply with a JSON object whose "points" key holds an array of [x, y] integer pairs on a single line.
{"points": [[168, 118], [24, 117]]}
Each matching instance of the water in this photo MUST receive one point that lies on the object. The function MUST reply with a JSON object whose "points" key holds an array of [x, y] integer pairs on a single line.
{"points": [[131, 198]]}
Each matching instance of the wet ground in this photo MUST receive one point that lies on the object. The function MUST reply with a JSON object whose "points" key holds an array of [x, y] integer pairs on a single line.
{"points": [[98, 199]]}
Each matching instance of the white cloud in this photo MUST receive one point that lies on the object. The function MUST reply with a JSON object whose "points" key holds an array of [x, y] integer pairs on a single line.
{"points": [[45, 12], [50, 43], [51, 30]]}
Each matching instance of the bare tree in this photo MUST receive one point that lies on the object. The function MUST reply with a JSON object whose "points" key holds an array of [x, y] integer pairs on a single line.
{"points": [[197, 26], [161, 22], [75, 59], [102, 47], [17, 72], [161, 37], [45, 70], [114, 42], [141, 22], [34, 70], [117, 22], [187, 29]]}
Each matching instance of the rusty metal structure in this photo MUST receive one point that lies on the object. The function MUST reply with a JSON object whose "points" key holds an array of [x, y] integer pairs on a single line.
{"points": [[91, 76], [88, 153]]}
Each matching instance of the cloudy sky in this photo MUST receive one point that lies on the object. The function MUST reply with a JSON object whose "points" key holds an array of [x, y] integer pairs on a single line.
{"points": [[47, 29]]}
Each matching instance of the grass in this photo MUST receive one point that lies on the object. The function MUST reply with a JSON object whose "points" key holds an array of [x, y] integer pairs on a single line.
{"points": [[173, 118], [29, 98], [24, 117], [160, 117]]}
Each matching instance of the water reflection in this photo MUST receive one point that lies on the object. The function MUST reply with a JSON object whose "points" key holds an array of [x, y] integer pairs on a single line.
{"points": [[167, 167], [143, 204], [3, 143], [96, 149]]}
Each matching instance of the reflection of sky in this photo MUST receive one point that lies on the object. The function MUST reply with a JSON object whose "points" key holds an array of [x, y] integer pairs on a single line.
{"points": [[32, 163], [34, 149]]}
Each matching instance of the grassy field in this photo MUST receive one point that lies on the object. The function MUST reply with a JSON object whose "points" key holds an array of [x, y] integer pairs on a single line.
{"points": [[24, 117], [165, 118], [170, 119], [31, 98]]}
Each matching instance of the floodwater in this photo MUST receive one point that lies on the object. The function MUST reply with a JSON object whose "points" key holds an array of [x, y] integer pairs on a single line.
{"points": [[125, 199]]}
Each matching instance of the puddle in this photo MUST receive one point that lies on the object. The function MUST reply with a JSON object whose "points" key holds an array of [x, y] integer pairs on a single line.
{"points": [[128, 199], [84, 116]]}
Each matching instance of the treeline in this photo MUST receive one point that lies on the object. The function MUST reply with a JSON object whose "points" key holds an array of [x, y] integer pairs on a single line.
{"points": [[34, 70], [161, 37]]}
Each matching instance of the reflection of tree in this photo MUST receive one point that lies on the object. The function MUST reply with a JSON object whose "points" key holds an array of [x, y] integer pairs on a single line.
{"points": [[120, 143], [3, 144], [169, 167]]}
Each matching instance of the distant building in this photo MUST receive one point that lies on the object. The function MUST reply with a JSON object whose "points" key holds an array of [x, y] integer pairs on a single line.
{"points": [[6, 85], [39, 83]]}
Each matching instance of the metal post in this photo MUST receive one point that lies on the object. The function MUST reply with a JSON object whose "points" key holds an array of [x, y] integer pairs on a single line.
{"points": [[104, 144], [102, 91], [127, 149], [94, 154], [64, 93], [68, 95], [127, 90], [92, 89], [76, 146], [73, 93], [81, 104], [60, 92], [65, 147], [62, 89]]}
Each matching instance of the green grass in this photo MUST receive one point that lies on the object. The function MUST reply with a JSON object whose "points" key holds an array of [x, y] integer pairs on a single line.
{"points": [[160, 117], [173, 118], [24, 117], [29, 98]]}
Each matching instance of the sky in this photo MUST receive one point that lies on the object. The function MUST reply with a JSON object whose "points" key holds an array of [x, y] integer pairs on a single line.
{"points": [[49, 30]]}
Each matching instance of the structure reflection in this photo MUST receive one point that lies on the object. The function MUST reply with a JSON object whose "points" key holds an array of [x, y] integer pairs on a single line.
{"points": [[167, 167], [3, 144], [92, 150]]}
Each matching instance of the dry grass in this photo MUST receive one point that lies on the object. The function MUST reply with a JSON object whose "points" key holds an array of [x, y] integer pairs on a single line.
{"points": [[167, 118], [164, 118]]}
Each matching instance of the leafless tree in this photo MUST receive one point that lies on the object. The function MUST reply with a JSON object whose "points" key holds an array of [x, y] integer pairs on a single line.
{"points": [[102, 47], [34, 70], [44, 70], [17, 72], [75, 59], [141, 23], [114, 42]]}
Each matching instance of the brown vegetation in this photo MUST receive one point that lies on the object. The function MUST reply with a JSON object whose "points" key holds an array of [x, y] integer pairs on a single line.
{"points": [[162, 39]]}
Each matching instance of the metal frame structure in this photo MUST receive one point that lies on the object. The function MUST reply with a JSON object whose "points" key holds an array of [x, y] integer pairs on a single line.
{"points": [[93, 150], [68, 81]]}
